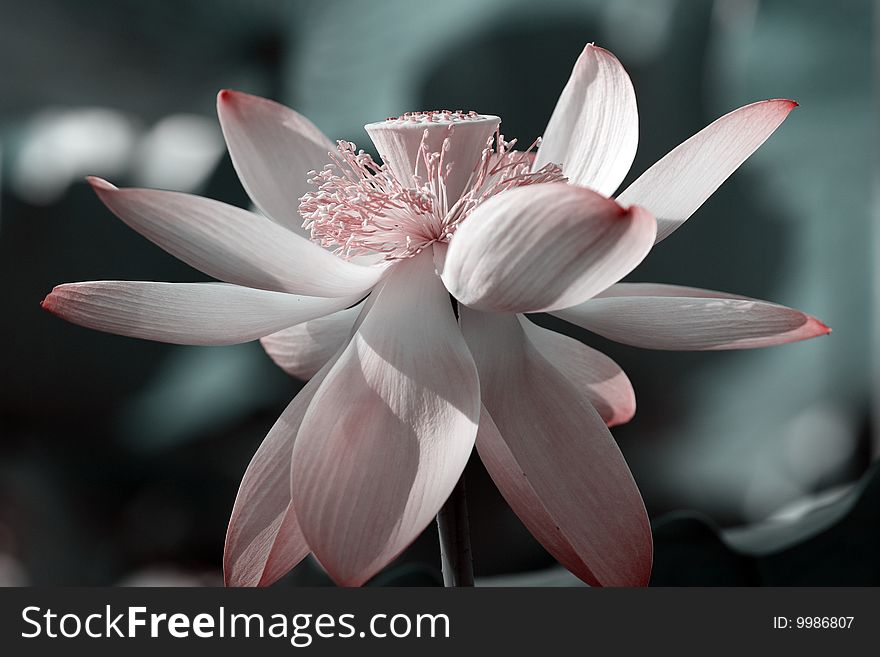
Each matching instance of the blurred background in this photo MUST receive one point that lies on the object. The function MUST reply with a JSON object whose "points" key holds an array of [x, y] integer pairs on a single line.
{"points": [[120, 459]]}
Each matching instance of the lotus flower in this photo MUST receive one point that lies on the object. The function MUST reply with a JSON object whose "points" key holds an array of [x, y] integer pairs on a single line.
{"points": [[400, 388]]}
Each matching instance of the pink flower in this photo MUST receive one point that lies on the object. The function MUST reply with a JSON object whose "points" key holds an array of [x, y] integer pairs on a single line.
{"points": [[399, 391]]}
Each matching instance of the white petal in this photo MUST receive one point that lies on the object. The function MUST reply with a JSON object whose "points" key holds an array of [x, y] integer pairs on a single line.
{"points": [[303, 349], [544, 247], [662, 290], [554, 460], [273, 148], [390, 429], [602, 380], [670, 317], [234, 245], [185, 313], [594, 130], [681, 181]]}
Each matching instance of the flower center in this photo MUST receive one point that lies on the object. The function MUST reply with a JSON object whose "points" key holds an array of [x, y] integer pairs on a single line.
{"points": [[437, 167]]}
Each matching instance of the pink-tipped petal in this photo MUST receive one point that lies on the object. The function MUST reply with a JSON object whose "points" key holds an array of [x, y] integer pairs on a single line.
{"points": [[389, 430], [656, 316], [602, 380], [234, 245], [303, 349], [184, 313], [680, 182], [554, 460], [594, 129], [544, 247], [273, 149]]}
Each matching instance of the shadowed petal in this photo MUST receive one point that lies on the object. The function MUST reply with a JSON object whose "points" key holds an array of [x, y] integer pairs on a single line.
{"points": [[303, 349], [594, 129], [390, 429], [273, 148], [234, 245], [554, 460], [681, 181], [263, 540], [544, 247], [602, 381], [184, 313], [657, 316]]}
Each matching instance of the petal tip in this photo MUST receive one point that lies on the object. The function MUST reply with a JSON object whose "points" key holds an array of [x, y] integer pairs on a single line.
{"points": [[50, 303], [237, 581], [592, 48], [642, 216], [230, 100], [816, 327], [268, 580], [242, 577], [786, 104], [100, 185], [623, 415], [347, 579], [227, 96], [350, 582]]}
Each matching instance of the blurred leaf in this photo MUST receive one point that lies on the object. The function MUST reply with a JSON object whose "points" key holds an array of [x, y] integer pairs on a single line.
{"points": [[834, 544]]}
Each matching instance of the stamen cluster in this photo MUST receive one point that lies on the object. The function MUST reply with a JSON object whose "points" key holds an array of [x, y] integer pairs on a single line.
{"points": [[361, 208]]}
